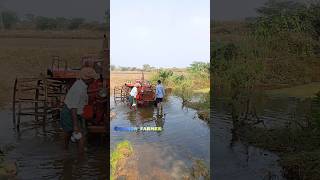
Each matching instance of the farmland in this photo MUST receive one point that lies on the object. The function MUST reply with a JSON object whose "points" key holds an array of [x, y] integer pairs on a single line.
{"points": [[23, 56]]}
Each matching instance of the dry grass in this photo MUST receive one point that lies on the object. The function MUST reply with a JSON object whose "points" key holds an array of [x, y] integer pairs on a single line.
{"points": [[21, 57], [76, 34], [118, 78]]}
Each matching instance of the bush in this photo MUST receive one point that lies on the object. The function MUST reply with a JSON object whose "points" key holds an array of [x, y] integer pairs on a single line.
{"points": [[75, 23], [45, 23], [9, 19]]}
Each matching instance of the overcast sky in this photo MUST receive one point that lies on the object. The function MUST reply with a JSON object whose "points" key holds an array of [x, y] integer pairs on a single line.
{"points": [[166, 33], [89, 9], [234, 9], [162, 33]]}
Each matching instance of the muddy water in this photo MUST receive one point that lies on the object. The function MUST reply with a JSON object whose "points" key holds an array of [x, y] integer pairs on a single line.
{"points": [[166, 154], [39, 154], [240, 160], [237, 160]]}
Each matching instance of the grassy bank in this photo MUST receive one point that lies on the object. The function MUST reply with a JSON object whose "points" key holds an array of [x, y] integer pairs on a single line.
{"points": [[278, 48], [192, 84], [118, 157]]}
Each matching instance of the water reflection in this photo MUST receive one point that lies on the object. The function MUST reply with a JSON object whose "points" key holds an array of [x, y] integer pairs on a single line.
{"points": [[183, 138], [39, 153]]}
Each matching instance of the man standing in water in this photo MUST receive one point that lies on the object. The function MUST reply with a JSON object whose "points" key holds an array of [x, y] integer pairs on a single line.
{"points": [[71, 119], [133, 96], [159, 96]]}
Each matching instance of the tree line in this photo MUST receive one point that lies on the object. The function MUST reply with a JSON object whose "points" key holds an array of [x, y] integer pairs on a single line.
{"points": [[10, 20], [148, 68], [145, 67]]}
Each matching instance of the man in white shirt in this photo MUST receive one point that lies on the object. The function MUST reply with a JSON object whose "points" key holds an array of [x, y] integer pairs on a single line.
{"points": [[133, 95], [70, 117]]}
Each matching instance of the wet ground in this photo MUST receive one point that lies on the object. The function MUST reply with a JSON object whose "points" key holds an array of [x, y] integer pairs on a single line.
{"points": [[169, 153], [242, 161], [39, 154], [238, 160]]}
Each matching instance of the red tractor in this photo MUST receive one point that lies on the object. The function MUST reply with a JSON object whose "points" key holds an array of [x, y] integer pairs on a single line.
{"points": [[47, 92], [146, 92], [96, 112]]}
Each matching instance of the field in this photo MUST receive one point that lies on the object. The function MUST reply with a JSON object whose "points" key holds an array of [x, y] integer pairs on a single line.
{"points": [[24, 57], [118, 78]]}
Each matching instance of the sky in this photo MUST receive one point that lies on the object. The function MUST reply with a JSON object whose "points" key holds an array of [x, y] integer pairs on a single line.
{"points": [[89, 9], [234, 9], [166, 33], [162, 33]]}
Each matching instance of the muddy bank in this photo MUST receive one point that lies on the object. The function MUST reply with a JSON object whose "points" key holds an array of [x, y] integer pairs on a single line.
{"points": [[203, 112], [201, 103]]}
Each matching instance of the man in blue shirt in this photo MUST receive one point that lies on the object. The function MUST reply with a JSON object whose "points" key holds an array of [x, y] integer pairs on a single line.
{"points": [[159, 96]]}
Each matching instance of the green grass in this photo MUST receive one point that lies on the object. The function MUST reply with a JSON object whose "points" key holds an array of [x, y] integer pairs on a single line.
{"points": [[122, 150]]}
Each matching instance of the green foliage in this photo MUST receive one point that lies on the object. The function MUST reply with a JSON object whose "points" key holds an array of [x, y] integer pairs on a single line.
{"points": [[293, 25], [279, 47], [183, 89], [61, 22], [184, 85], [9, 19], [315, 111], [122, 150], [75, 23], [164, 74], [235, 68], [225, 52], [200, 69], [45, 23], [278, 16]]}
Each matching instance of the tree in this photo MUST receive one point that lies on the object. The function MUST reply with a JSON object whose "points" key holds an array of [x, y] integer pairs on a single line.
{"points": [[62, 22], [30, 18], [112, 67], [45, 23], [75, 23], [9, 19], [146, 67], [200, 68], [276, 7], [165, 74]]}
